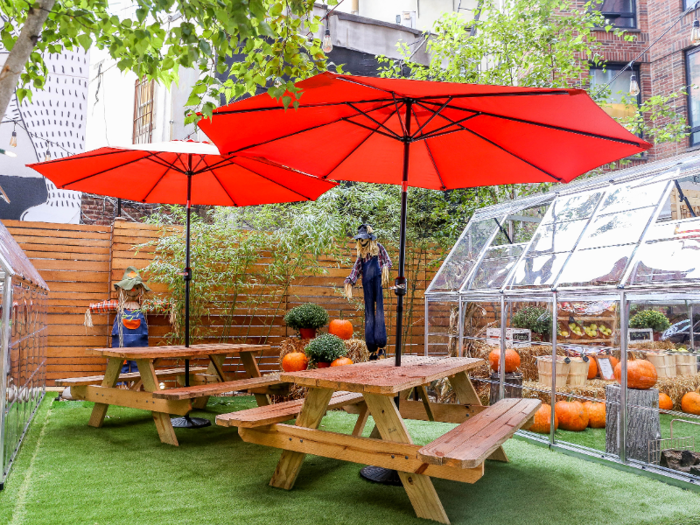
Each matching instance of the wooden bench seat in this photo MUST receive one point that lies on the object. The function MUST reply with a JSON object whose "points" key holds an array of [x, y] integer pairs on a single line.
{"points": [[212, 389], [469, 444], [271, 414], [129, 376]]}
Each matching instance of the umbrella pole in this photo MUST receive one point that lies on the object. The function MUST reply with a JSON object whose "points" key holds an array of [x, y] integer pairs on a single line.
{"points": [[187, 421]]}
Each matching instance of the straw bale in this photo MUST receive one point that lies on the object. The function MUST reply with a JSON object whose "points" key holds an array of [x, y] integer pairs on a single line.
{"points": [[593, 389], [677, 387], [653, 345]]}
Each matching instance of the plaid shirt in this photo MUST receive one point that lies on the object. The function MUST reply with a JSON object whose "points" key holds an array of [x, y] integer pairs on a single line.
{"points": [[357, 269]]}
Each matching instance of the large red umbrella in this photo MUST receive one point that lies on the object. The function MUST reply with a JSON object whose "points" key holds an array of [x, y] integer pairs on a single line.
{"points": [[435, 135], [181, 172]]}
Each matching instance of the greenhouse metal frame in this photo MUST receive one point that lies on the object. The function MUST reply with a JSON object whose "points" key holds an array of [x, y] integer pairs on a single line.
{"points": [[24, 335], [605, 238]]}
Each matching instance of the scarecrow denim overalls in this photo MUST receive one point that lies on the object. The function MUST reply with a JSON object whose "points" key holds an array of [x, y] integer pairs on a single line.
{"points": [[375, 328], [134, 333]]}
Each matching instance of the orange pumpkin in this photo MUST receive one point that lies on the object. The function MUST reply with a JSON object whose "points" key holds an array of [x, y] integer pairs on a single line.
{"points": [[592, 368], [572, 415], [613, 361], [542, 420], [294, 362], [596, 414], [512, 360], [641, 374], [691, 403], [341, 327], [342, 361], [665, 402]]}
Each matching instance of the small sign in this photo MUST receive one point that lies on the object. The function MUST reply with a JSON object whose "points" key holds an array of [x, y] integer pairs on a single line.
{"points": [[638, 335], [605, 368], [515, 337]]}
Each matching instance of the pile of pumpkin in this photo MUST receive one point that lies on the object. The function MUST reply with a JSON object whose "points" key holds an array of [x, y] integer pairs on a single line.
{"points": [[577, 416], [323, 351]]}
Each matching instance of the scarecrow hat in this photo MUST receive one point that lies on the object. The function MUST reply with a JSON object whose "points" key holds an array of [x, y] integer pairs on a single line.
{"points": [[131, 278], [365, 232]]}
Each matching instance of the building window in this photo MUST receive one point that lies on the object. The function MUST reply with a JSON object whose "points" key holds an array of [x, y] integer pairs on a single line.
{"points": [[617, 103], [692, 68], [620, 13], [143, 111]]}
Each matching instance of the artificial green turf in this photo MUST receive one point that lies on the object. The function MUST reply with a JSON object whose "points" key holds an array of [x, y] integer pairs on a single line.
{"points": [[69, 473]]}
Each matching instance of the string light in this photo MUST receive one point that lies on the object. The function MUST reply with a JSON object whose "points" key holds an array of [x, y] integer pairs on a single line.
{"points": [[47, 155], [695, 33], [327, 44], [8, 153], [634, 85], [13, 138]]}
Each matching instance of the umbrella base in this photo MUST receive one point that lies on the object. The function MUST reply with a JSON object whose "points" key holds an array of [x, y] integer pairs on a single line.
{"points": [[189, 422], [381, 475]]}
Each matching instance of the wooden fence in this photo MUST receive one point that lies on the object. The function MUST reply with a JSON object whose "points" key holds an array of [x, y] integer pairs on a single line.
{"points": [[81, 263]]}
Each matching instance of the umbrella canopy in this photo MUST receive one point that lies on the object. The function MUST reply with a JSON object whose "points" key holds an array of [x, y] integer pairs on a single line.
{"points": [[159, 173], [435, 135]]}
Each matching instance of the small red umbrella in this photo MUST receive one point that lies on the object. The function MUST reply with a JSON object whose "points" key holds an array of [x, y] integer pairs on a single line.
{"points": [[181, 172], [434, 135]]}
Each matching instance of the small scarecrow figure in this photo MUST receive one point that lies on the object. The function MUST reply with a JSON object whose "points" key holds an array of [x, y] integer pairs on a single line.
{"points": [[373, 263], [130, 327]]}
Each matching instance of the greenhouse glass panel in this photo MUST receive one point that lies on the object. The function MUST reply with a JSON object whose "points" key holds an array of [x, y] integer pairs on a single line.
{"points": [[617, 228], [597, 267], [496, 266], [557, 237], [541, 270]]}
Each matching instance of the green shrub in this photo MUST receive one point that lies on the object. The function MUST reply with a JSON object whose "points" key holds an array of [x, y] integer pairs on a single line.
{"points": [[308, 315], [536, 318], [326, 348], [650, 319]]}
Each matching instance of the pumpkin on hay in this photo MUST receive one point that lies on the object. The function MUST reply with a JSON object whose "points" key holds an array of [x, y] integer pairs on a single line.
{"points": [[691, 403], [641, 374], [342, 361], [613, 361], [295, 362], [572, 415], [542, 420], [592, 368], [512, 360], [596, 414], [665, 402], [341, 327]]}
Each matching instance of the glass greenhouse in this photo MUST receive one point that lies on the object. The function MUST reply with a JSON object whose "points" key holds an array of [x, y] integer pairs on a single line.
{"points": [[24, 336], [597, 272]]}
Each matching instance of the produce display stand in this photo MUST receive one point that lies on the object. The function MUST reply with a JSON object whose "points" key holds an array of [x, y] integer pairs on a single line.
{"points": [[593, 252], [23, 328]]}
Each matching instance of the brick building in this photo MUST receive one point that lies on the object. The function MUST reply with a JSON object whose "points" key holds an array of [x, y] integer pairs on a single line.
{"points": [[665, 61]]}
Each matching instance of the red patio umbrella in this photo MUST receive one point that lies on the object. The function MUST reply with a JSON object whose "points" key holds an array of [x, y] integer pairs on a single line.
{"points": [[181, 172], [435, 135]]}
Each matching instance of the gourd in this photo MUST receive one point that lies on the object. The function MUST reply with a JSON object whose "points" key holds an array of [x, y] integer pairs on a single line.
{"points": [[596, 414], [691, 403], [512, 360], [295, 362], [542, 420], [592, 368], [341, 327], [572, 415], [342, 361], [641, 374], [665, 402]]}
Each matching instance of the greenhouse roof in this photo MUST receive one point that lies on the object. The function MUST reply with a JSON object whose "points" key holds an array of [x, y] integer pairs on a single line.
{"points": [[601, 232], [15, 262]]}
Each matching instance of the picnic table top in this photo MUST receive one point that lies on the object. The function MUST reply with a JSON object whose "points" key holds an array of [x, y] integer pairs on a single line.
{"points": [[179, 351], [382, 377]]}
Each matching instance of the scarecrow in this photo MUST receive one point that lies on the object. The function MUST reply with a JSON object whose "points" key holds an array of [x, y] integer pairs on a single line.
{"points": [[130, 327], [373, 263]]}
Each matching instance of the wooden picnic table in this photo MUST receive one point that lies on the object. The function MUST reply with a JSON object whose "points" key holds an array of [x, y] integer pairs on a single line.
{"points": [[159, 402], [370, 389]]}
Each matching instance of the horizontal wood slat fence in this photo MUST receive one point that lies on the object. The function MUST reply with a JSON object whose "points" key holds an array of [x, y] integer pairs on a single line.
{"points": [[81, 263]]}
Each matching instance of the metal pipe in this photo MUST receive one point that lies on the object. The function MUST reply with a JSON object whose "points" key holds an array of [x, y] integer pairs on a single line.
{"points": [[622, 412], [4, 364], [502, 361], [692, 326], [460, 350], [188, 271], [400, 283], [427, 327], [553, 395]]}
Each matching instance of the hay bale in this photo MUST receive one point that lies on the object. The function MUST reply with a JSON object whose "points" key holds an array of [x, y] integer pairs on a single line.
{"points": [[357, 350], [593, 389], [677, 387]]}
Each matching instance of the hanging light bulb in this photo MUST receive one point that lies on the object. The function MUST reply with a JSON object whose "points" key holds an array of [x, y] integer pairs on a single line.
{"points": [[695, 33], [327, 45], [47, 155], [8, 153], [634, 85], [13, 138]]}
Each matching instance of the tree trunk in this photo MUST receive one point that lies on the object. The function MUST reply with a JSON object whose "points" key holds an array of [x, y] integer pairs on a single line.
{"points": [[18, 57], [643, 423]]}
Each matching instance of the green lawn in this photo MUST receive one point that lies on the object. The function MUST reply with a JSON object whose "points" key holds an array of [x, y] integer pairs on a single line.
{"points": [[68, 473]]}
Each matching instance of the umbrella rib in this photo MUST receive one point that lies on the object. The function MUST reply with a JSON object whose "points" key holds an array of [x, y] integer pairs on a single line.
{"points": [[549, 126], [271, 180], [396, 105], [310, 106], [64, 186], [373, 120], [155, 185], [437, 171], [435, 114], [354, 81], [211, 170], [163, 162], [85, 156], [437, 132], [561, 91], [374, 130], [356, 148]]}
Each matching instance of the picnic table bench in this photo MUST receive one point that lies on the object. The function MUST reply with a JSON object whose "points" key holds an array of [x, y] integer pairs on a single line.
{"points": [[177, 401], [369, 389]]}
